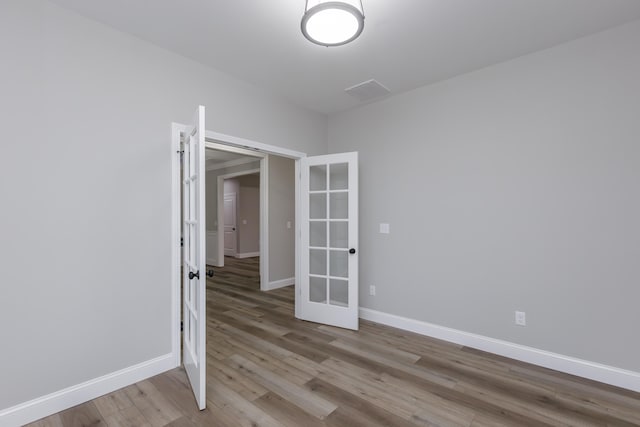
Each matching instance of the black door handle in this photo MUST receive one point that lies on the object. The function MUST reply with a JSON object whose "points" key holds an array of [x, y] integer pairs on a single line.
{"points": [[209, 273], [192, 275], [352, 251]]}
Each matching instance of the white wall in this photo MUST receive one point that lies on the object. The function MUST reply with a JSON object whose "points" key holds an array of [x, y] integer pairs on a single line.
{"points": [[511, 188], [85, 178], [281, 210]]}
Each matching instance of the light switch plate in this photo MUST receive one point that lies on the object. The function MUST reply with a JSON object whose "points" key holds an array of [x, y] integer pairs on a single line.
{"points": [[384, 228]]}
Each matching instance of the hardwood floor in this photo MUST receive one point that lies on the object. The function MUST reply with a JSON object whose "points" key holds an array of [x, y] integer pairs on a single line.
{"points": [[267, 369]]}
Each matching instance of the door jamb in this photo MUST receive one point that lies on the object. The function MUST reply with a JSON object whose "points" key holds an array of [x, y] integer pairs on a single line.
{"points": [[231, 141]]}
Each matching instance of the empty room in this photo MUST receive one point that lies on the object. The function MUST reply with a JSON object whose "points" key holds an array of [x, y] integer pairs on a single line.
{"points": [[431, 213]]}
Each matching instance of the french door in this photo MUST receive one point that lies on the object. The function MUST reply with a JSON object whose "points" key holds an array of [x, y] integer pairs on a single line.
{"points": [[329, 240], [194, 352]]}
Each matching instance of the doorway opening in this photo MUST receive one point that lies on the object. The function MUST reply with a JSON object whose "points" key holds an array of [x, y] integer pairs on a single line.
{"points": [[251, 211], [265, 153]]}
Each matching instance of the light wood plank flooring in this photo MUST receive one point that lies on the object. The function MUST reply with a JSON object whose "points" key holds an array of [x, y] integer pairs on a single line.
{"points": [[267, 369]]}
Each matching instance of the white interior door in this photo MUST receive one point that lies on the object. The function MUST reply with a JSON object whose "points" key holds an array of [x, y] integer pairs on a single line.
{"points": [[329, 240], [230, 229], [194, 352]]}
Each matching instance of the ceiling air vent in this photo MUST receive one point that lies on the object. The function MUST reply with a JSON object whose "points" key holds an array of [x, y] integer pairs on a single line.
{"points": [[367, 91]]}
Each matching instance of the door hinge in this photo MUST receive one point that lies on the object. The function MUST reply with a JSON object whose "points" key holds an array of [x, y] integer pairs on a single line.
{"points": [[182, 242], [181, 326]]}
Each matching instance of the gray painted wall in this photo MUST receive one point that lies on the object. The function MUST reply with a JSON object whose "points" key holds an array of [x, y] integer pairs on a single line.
{"points": [[249, 211], [511, 188], [85, 179], [281, 209]]}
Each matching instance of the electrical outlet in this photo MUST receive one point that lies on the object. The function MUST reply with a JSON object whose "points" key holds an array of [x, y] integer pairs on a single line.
{"points": [[521, 318], [372, 291], [385, 228]]}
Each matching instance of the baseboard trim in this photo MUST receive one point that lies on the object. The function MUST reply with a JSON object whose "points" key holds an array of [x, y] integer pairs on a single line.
{"points": [[248, 255], [280, 284], [44, 406], [595, 371]]}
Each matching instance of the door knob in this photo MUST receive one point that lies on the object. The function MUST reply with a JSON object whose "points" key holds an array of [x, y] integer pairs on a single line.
{"points": [[209, 273], [192, 275], [352, 251]]}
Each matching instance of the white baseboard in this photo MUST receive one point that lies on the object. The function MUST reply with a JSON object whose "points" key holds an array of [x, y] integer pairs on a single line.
{"points": [[44, 406], [280, 284], [247, 255], [595, 371], [212, 261]]}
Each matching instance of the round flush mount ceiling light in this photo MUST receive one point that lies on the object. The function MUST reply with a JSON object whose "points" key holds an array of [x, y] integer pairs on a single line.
{"points": [[332, 23]]}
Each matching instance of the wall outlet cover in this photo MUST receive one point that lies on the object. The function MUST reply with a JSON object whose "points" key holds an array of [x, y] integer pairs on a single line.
{"points": [[521, 318]]}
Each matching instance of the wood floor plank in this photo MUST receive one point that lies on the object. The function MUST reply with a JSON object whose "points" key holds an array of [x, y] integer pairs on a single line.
{"points": [[266, 368], [127, 417], [286, 412], [155, 407], [82, 415], [112, 403], [238, 410], [353, 410], [244, 386], [299, 396], [408, 368], [51, 421]]}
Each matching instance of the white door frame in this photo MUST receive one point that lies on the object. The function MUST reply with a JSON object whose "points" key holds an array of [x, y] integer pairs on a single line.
{"points": [[235, 144]]}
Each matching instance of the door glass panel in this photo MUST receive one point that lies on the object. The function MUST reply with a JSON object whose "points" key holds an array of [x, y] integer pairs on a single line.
{"points": [[318, 178], [339, 176], [339, 292], [318, 234], [339, 262], [339, 234], [318, 261], [318, 289], [318, 206], [339, 205]]}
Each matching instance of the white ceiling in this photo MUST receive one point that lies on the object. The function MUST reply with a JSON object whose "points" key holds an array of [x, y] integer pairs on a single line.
{"points": [[405, 43]]}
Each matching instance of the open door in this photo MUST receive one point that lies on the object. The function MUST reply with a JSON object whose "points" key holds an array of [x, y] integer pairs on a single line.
{"points": [[194, 351], [329, 240]]}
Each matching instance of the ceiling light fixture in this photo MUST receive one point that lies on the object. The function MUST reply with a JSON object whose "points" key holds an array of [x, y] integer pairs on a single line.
{"points": [[332, 23]]}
